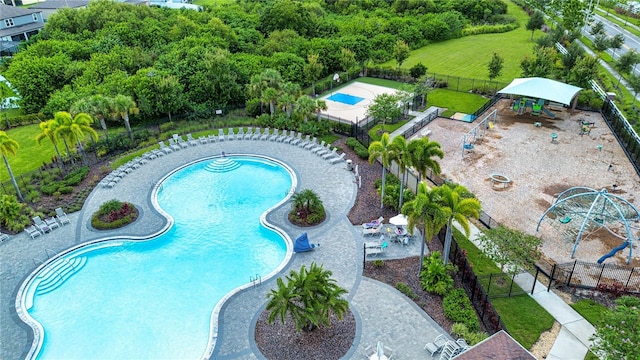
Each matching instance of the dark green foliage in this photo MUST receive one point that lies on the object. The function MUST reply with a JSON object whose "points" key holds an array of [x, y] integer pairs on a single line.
{"points": [[75, 177], [356, 146], [405, 289], [472, 337], [65, 189], [435, 276], [457, 307], [418, 70], [114, 214]]}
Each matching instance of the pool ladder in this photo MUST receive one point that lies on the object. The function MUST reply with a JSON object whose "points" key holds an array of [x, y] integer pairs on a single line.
{"points": [[255, 280]]}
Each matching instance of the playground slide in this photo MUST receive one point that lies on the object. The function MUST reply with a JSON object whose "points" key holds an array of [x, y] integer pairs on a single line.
{"points": [[548, 112], [613, 252]]}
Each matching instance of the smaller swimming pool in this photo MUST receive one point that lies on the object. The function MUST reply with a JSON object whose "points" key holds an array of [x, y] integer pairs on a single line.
{"points": [[345, 98]]}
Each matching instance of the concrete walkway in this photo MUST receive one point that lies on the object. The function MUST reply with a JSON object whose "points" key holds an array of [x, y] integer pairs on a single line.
{"points": [[381, 312], [572, 342], [418, 117]]}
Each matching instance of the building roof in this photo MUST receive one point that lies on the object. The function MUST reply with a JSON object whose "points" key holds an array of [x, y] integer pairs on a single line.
{"points": [[8, 11], [26, 28], [500, 346], [541, 88], [59, 4]]}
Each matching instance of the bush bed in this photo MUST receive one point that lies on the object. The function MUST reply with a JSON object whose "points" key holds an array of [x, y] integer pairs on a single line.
{"points": [[114, 214], [458, 308]]}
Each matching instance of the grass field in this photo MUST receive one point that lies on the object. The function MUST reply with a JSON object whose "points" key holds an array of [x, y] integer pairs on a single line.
{"points": [[29, 155], [469, 56], [455, 101]]}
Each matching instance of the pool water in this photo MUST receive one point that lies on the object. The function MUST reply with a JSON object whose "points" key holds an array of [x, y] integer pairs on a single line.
{"points": [[153, 299], [345, 98]]}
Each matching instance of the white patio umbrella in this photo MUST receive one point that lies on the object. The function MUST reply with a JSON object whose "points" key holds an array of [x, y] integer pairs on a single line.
{"points": [[399, 220]]}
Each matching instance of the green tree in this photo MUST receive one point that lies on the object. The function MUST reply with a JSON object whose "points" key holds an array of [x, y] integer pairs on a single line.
{"points": [[422, 88], [585, 69], [306, 200], [618, 334], [634, 82], [290, 92], [48, 131], [535, 22], [309, 297], [615, 43], [347, 60], [170, 96], [459, 204], [597, 29], [122, 106], [305, 106], [312, 70], [401, 52], [421, 156], [400, 154], [541, 65], [418, 70], [573, 14], [511, 248], [600, 44], [75, 129], [625, 63], [8, 146], [426, 213], [380, 149], [384, 108], [495, 66], [96, 105]]}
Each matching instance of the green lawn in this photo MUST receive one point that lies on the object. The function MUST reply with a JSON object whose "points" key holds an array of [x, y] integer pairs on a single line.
{"points": [[29, 155], [590, 310], [523, 317], [455, 101], [382, 82], [469, 56]]}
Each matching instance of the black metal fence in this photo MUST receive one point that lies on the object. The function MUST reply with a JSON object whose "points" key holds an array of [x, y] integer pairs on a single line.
{"points": [[624, 133], [475, 288], [585, 275]]}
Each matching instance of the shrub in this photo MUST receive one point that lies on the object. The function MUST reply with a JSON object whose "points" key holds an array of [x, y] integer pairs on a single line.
{"points": [[65, 189], [50, 188], [418, 70], [457, 307], [252, 107], [32, 196], [114, 214], [405, 289], [435, 276], [378, 263]]}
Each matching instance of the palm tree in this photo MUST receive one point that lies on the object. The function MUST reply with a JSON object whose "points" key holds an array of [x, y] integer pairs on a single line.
{"points": [[319, 106], [75, 129], [305, 106], [421, 153], [380, 149], [48, 131], [122, 106], [9, 146], [97, 106], [425, 211], [400, 154], [459, 204], [309, 297], [290, 92], [306, 200]]}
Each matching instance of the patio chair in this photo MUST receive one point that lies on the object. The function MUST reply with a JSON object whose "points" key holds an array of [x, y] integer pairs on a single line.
{"points": [[374, 223], [311, 144], [191, 140], [62, 217], [32, 231], [180, 141], [256, 134], [230, 135], [51, 223], [203, 139], [3, 237], [249, 134], [304, 142], [337, 159], [40, 225], [174, 145], [436, 345], [325, 149], [240, 134], [150, 155], [274, 135], [212, 138], [296, 139], [317, 147], [220, 135], [330, 154], [157, 152], [283, 136], [265, 134], [164, 148]]}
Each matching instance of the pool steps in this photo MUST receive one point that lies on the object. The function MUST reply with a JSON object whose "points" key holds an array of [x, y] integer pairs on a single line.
{"points": [[221, 165], [55, 275]]}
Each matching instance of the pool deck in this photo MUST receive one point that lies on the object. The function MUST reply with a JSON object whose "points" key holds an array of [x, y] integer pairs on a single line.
{"points": [[382, 313]]}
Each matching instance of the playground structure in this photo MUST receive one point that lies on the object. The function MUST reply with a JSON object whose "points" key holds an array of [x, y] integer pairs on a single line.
{"points": [[476, 134], [580, 211], [537, 107]]}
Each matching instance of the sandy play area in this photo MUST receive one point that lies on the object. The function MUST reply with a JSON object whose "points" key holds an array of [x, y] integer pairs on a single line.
{"points": [[539, 168]]}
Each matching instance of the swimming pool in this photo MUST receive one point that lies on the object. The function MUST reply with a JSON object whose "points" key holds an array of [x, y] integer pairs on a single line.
{"points": [[345, 98], [155, 299]]}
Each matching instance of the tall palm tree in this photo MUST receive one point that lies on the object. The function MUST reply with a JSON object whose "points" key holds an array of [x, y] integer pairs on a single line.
{"points": [[97, 106], [309, 297], [319, 106], [48, 131], [459, 204], [290, 92], [8, 146], [75, 129], [421, 153], [400, 154], [380, 149], [122, 106], [305, 106], [424, 211]]}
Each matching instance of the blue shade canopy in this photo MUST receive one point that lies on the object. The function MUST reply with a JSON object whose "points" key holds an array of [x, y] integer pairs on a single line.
{"points": [[302, 244], [541, 88]]}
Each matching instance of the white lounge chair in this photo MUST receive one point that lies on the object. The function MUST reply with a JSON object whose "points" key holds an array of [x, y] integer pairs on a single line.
{"points": [[436, 345], [62, 217], [249, 134], [157, 152], [3, 237], [374, 223], [164, 148], [32, 231], [191, 140], [231, 135], [331, 154], [317, 148], [324, 150], [304, 142], [174, 144], [282, 136], [265, 134], [311, 144], [240, 134], [212, 138], [180, 141], [274, 136], [51, 223], [338, 159], [40, 225], [256, 134], [376, 248], [203, 139], [221, 135]]}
